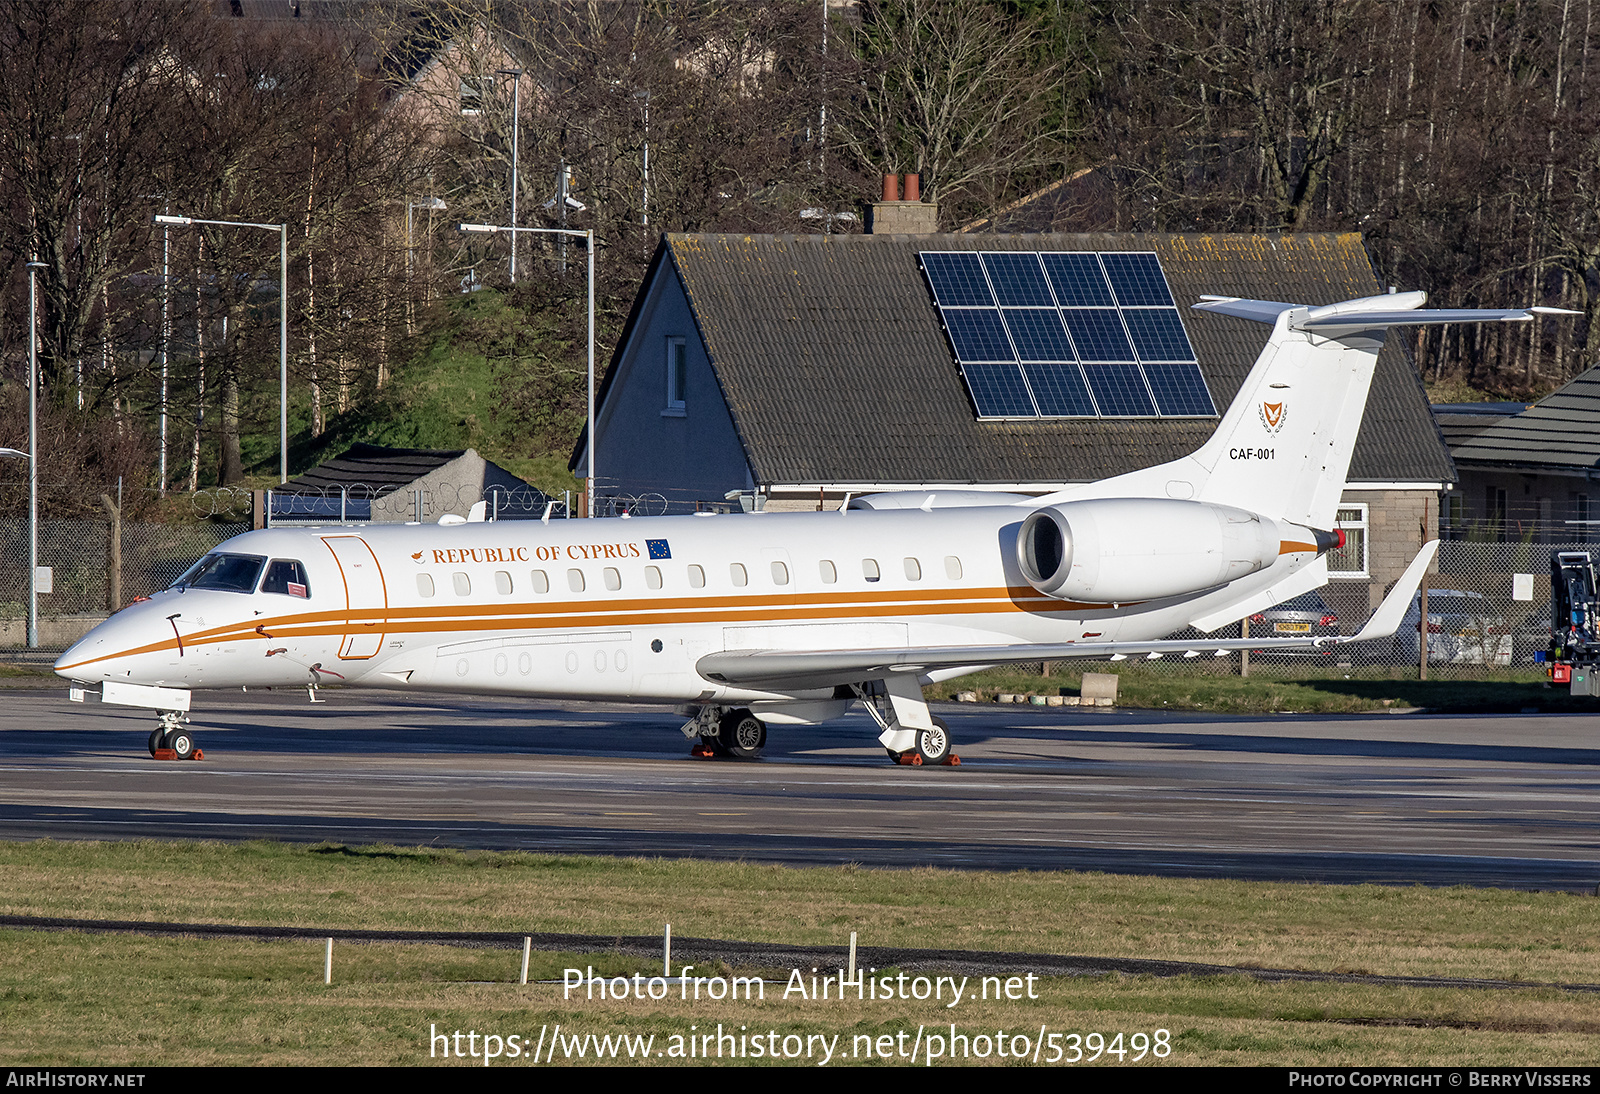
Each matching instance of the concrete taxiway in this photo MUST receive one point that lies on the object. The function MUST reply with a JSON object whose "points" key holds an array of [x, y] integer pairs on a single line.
{"points": [[1486, 800]]}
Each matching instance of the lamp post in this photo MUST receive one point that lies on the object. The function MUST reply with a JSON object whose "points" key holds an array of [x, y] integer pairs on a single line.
{"points": [[516, 133], [283, 323], [588, 236], [433, 205], [32, 455]]}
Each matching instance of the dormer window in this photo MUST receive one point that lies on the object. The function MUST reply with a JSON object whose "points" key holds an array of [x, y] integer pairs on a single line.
{"points": [[473, 92], [677, 376]]}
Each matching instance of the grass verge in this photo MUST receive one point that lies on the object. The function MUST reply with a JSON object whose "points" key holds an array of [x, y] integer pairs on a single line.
{"points": [[1281, 688], [115, 999]]}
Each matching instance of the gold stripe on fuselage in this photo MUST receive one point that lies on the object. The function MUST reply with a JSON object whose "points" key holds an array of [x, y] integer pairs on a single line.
{"points": [[569, 615]]}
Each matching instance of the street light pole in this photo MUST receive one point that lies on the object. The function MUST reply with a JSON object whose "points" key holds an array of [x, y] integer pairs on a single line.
{"points": [[283, 322], [33, 456], [431, 204], [588, 236], [516, 133]]}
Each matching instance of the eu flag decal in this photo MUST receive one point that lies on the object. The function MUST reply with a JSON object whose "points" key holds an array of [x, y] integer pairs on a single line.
{"points": [[658, 548]]}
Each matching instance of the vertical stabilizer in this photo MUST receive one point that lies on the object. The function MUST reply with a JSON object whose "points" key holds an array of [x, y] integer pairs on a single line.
{"points": [[1283, 448]]}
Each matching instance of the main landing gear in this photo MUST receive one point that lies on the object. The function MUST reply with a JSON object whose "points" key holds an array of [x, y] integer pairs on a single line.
{"points": [[172, 739], [718, 731], [912, 735]]}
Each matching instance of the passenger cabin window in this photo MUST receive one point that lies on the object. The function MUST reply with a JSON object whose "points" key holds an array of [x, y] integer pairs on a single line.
{"points": [[541, 581], [780, 574], [697, 577], [463, 584], [502, 583], [869, 569], [286, 577], [424, 585], [830, 573], [575, 580], [952, 567], [613, 578], [231, 573], [652, 576], [737, 573], [913, 570]]}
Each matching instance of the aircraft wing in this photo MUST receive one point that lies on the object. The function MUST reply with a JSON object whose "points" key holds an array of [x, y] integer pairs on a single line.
{"points": [[826, 668]]}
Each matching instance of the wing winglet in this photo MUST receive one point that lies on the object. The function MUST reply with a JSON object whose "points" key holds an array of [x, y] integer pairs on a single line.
{"points": [[1386, 620]]}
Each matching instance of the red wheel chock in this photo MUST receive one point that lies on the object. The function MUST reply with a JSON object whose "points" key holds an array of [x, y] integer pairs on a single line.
{"points": [[169, 754], [913, 758]]}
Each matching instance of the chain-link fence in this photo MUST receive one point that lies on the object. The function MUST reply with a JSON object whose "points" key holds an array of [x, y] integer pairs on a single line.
{"points": [[87, 579], [1483, 619], [1483, 622]]}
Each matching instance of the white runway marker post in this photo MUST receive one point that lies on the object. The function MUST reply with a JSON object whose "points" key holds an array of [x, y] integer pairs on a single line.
{"points": [[666, 952], [527, 948], [327, 964], [852, 955]]}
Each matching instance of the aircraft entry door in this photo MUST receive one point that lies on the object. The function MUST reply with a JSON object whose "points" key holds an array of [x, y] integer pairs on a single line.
{"points": [[365, 596]]}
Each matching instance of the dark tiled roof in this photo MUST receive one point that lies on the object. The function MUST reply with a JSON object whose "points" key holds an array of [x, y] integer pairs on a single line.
{"points": [[371, 466], [835, 367], [1560, 431], [1459, 422]]}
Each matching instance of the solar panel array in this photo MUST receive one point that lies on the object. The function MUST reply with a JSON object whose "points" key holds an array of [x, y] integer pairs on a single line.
{"points": [[1067, 334]]}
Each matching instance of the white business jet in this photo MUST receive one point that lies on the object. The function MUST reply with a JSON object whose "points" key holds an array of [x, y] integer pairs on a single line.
{"points": [[760, 619]]}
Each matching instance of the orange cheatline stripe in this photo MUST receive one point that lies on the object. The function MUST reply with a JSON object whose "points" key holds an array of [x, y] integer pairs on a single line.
{"points": [[1290, 546], [570, 614]]}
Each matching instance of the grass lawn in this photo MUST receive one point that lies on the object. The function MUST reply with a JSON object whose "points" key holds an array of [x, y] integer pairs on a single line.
{"points": [[126, 999]]}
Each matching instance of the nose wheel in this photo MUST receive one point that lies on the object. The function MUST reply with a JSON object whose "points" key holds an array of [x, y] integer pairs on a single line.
{"points": [[172, 740]]}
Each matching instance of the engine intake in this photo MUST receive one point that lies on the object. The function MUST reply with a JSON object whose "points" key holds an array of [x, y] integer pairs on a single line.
{"points": [[1111, 550]]}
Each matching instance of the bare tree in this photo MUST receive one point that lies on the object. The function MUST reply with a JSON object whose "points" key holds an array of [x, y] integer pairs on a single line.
{"points": [[963, 94]]}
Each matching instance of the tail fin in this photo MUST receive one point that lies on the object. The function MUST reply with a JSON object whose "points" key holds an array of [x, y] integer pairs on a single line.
{"points": [[1283, 447]]}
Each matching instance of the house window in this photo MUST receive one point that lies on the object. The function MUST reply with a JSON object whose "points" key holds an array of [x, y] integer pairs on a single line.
{"points": [[1452, 516], [677, 376], [1351, 559], [473, 90]]}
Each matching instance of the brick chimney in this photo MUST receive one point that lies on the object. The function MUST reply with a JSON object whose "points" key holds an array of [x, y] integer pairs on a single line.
{"points": [[910, 216]]}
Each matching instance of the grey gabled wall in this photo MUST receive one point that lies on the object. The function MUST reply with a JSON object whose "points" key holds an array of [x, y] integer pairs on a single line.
{"points": [[685, 457]]}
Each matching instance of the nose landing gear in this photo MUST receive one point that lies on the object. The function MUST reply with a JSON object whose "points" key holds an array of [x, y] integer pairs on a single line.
{"points": [[172, 740]]}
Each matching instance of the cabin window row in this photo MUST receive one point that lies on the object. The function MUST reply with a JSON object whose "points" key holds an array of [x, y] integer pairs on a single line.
{"points": [[738, 575]]}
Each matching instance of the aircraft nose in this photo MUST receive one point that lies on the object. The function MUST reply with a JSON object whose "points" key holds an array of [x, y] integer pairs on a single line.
{"points": [[88, 657]]}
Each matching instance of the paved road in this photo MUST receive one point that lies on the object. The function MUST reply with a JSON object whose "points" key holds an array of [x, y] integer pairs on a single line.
{"points": [[1489, 800]]}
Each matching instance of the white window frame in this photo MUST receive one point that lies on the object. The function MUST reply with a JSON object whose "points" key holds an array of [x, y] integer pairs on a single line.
{"points": [[1361, 525], [677, 377], [473, 91]]}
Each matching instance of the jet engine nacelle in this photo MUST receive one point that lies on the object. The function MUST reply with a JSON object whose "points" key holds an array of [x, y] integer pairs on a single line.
{"points": [[1114, 550]]}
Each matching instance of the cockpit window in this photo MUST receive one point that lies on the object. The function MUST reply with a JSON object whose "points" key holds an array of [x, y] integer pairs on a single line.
{"points": [[288, 577], [233, 573]]}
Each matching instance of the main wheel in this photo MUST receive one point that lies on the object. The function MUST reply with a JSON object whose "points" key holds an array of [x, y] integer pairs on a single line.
{"points": [[742, 734], [155, 740], [181, 741], [933, 745]]}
